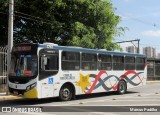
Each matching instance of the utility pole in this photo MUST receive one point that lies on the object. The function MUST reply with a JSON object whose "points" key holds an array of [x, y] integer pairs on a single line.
{"points": [[133, 44], [10, 36]]}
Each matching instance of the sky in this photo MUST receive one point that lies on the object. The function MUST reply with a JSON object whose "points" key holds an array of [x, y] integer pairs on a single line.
{"points": [[142, 18]]}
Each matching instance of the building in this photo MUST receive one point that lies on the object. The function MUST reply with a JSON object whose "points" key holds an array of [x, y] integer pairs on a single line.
{"points": [[131, 49], [149, 52], [158, 55]]}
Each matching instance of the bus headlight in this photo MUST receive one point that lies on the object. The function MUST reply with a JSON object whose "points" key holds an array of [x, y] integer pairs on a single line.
{"points": [[30, 86], [33, 85]]}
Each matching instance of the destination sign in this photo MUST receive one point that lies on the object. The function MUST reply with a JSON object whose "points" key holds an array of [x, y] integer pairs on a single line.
{"points": [[25, 48], [22, 48]]}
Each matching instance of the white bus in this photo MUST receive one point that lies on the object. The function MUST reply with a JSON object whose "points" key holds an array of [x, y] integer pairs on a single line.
{"points": [[49, 70]]}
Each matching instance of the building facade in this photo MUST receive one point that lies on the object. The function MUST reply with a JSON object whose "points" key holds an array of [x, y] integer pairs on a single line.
{"points": [[158, 56], [131, 49], [150, 52]]}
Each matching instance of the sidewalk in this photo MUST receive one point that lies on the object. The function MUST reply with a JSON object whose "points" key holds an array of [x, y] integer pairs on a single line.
{"points": [[153, 82], [3, 96]]}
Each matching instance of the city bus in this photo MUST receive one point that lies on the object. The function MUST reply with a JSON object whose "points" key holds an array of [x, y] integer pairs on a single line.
{"points": [[49, 70]]}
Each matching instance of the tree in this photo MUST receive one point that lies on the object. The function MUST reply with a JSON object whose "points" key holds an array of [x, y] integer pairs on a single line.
{"points": [[85, 23], [3, 22]]}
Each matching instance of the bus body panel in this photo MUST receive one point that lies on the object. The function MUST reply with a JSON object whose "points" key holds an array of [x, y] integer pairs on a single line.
{"points": [[99, 81]]}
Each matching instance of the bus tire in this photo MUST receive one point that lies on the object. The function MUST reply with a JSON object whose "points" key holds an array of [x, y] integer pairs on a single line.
{"points": [[66, 93], [122, 87]]}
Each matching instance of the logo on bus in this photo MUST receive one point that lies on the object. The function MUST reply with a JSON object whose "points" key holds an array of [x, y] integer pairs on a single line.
{"points": [[50, 80], [67, 77]]}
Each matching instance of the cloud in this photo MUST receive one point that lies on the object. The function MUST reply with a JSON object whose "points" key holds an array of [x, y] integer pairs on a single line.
{"points": [[151, 33]]}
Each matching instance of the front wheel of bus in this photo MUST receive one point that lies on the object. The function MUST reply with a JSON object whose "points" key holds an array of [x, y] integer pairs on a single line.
{"points": [[66, 93], [122, 87]]}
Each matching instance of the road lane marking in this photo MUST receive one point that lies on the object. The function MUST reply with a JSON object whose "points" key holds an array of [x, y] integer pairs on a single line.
{"points": [[37, 113], [103, 113]]}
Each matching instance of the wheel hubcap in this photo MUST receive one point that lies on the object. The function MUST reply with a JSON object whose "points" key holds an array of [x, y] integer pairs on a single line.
{"points": [[66, 93]]}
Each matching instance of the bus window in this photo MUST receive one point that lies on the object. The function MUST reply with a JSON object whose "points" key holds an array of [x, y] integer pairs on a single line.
{"points": [[129, 63], [70, 60], [118, 62], [23, 65], [104, 62], [140, 63], [49, 63], [89, 61]]}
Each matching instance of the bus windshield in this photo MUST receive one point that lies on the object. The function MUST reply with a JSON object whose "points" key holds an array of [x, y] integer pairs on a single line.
{"points": [[23, 65]]}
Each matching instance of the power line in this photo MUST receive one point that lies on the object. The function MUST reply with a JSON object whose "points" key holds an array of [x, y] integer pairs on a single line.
{"points": [[139, 20], [33, 19], [48, 21], [138, 48]]}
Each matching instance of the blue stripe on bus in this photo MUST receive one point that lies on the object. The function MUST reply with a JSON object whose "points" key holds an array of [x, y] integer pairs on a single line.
{"points": [[77, 49]]}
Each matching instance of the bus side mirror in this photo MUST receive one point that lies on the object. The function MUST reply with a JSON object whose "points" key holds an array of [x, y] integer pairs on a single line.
{"points": [[43, 62]]}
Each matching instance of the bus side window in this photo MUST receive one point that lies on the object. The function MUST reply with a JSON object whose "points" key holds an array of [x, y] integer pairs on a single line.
{"points": [[89, 61], [70, 60], [140, 63], [118, 62], [129, 63], [104, 62], [49, 62]]}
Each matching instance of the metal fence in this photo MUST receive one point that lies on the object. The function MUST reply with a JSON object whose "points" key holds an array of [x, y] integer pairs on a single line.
{"points": [[153, 69], [3, 68]]}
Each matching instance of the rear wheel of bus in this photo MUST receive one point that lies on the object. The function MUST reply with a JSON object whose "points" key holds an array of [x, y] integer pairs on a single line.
{"points": [[122, 87], [66, 93]]}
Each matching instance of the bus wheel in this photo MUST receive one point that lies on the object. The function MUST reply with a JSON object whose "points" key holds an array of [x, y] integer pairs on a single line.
{"points": [[66, 93], [122, 87]]}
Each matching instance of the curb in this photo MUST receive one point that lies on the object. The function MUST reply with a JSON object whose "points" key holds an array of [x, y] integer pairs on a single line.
{"points": [[153, 82], [9, 97]]}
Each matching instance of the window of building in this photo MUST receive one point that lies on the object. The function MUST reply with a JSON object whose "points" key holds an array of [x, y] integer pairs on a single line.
{"points": [[118, 62], [70, 60], [104, 62], [89, 61], [129, 63]]}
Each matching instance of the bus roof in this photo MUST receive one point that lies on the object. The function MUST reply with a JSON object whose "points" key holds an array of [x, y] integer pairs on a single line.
{"points": [[72, 48]]}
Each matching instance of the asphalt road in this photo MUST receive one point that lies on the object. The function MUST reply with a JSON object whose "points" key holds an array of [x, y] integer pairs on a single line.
{"points": [[145, 96]]}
